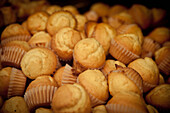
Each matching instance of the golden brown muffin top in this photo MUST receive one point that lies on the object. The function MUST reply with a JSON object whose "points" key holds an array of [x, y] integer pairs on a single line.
{"points": [[132, 101], [89, 53], [37, 22], [43, 110], [100, 8], [132, 29], [42, 81], [71, 9], [102, 32], [15, 105], [52, 9], [5, 74], [95, 83], [130, 42], [152, 109], [99, 109], [71, 98], [59, 20], [14, 30], [159, 96], [20, 44], [58, 75], [161, 54], [39, 61], [141, 14], [147, 68], [63, 42], [158, 15], [91, 15], [116, 9], [81, 20], [160, 34], [125, 79], [40, 38]]}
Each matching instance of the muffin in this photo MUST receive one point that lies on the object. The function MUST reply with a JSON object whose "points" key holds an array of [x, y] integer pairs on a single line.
{"points": [[64, 41], [37, 22], [71, 9], [125, 48], [162, 58], [43, 110], [65, 75], [103, 33], [167, 43], [13, 52], [152, 109], [111, 65], [14, 32], [161, 79], [72, 99], [52, 9], [39, 92], [13, 82], [59, 20], [100, 8], [132, 29], [141, 15], [88, 54], [9, 15], [40, 39], [158, 15], [120, 19], [125, 79], [91, 15], [116, 9], [149, 47], [15, 105], [99, 109], [160, 34], [81, 20], [148, 70], [25, 25], [128, 102], [96, 86], [39, 61], [160, 97]]}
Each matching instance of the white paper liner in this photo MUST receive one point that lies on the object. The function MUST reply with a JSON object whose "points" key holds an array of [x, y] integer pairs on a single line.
{"points": [[123, 55], [39, 96], [13, 38], [68, 77], [120, 108], [164, 66], [17, 83], [12, 55]]}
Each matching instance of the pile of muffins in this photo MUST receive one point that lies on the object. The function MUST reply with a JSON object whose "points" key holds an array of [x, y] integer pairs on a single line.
{"points": [[61, 61]]}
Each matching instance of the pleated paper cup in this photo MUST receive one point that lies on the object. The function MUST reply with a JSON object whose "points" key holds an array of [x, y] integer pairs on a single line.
{"points": [[39, 96], [120, 53], [17, 83], [68, 77], [164, 66], [147, 86], [149, 47], [11, 56], [120, 108], [14, 38]]}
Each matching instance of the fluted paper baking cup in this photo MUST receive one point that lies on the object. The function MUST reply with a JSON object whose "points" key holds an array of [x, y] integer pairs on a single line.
{"points": [[149, 47], [11, 56], [164, 66], [39, 96], [120, 53], [120, 108], [14, 38], [147, 86], [67, 76], [17, 83]]}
